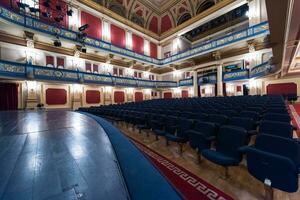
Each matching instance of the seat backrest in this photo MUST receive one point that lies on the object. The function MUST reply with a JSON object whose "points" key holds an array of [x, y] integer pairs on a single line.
{"points": [[246, 123], [279, 171], [229, 139], [184, 125], [277, 117], [278, 145], [218, 119], [207, 128], [250, 114], [281, 129], [199, 116]]}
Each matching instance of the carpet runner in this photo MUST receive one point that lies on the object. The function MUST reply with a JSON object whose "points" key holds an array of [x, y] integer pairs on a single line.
{"points": [[190, 186]]}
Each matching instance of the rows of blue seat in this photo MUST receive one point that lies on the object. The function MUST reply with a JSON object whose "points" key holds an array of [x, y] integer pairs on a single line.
{"points": [[220, 129]]}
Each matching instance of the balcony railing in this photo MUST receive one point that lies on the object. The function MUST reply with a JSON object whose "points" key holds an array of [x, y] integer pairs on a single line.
{"points": [[186, 82], [212, 45], [236, 75], [34, 72]]}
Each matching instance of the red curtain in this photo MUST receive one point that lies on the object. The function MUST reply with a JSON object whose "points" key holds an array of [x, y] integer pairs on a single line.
{"points": [[92, 96], [184, 93], [115, 71], [60, 62], [8, 96], [138, 96], [119, 97], [95, 26], [117, 36], [238, 88], [168, 95], [56, 96], [137, 44], [282, 89], [153, 50]]}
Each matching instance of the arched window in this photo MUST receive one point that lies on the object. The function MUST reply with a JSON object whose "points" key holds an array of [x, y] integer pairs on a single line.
{"points": [[184, 18], [205, 5]]}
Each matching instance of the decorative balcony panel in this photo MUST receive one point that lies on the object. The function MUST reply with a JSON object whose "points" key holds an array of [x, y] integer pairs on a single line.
{"points": [[212, 45], [236, 75], [207, 79], [262, 70], [53, 74], [34, 72], [186, 82], [11, 69]]}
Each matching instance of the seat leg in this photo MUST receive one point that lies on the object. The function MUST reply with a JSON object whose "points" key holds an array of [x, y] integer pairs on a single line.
{"points": [[269, 193], [225, 174], [156, 137], [140, 131], [167, 142], [147, 133], [180, 148], [199, 157]]}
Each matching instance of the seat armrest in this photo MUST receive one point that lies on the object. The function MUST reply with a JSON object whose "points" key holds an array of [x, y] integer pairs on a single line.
{"points": [[210, 138], [244, 149], [252, 132], [294, 128]]}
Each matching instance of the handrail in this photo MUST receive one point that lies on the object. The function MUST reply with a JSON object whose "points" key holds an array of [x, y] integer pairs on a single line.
{"points": [[41, 26]]}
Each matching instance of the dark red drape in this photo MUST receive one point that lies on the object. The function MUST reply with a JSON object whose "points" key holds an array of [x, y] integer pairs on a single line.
{"points": [[95, 25], [95, 68], [138, 96], [49, 60], [60, 62], [153, 50], [282, 89], [119, 97], [88, 67], [168, 95], [92, 96], [137, 44], [224, 90], [8, 96], [184, 93]]}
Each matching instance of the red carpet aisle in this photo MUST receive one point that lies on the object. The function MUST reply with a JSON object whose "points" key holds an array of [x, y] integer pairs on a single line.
{"points": [[188, 184], [295, 112]]}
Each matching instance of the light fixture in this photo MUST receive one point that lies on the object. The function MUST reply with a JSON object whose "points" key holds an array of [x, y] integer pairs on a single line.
{"points": [[83, 27], [57, 43], [70, 12]]}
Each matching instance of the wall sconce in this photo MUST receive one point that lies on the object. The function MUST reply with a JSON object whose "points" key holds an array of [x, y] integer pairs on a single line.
{"points": [[77, 88], [31, 86], [129, 90], [107, 89], [147, 91]]}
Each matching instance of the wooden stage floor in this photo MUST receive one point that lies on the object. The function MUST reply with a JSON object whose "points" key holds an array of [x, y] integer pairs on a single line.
{"points": [[56, 155]]}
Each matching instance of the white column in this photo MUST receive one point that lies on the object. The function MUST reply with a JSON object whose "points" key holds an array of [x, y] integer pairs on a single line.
{"points": [[128, 40], [195, 83], [146, 47], [257, 11], [106, 31], [219, 80], [159, 52]]}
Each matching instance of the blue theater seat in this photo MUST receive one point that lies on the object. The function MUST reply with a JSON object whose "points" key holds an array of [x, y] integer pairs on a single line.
{"points": [[180, 136], [277, 117], [201, 136], [246, 123], [219, 120], [250, 114], [163, 123], [281, 129], [275, 161], [229, 140]]}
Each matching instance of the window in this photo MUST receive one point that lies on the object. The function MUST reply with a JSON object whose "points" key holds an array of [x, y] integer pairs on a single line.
{"points": [[60, 62], [88, 67], [95, 68], [151, 77], [115, 71], [49, 61], [140, 74], [120, 72], [135, 74]]}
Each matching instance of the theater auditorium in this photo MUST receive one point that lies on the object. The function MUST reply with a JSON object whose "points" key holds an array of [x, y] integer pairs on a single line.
{"points": [[149, 99]]}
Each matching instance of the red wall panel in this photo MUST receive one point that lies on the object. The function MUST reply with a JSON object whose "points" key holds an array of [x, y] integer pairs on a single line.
{"points": [[238, 88], [184, 93], [60, 62], [49, 60], [117, 36], [166, 24], [56, 96], [153, 26], [92, 96], [95, 26], [153, 50], [168, 95], [137, 44], [282, 88], [138, 96], [119, 97]]}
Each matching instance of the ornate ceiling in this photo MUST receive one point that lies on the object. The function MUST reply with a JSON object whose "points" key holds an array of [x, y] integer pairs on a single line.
{"points": [[157, 16]]}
